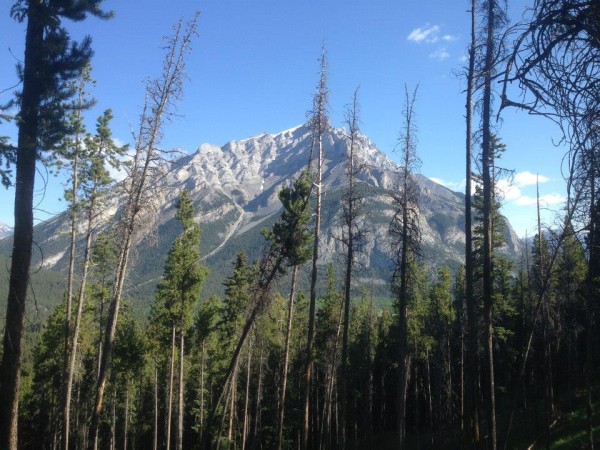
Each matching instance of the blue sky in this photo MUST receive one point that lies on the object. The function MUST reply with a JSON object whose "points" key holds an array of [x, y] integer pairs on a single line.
{"points": [[254, 68]]}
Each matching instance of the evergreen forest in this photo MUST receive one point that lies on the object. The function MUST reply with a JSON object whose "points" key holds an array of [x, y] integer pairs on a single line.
{"points": [[295, 353]]}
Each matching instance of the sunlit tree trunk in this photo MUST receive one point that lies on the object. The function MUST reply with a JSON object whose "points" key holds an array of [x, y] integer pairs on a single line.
{"points": [[169, 419], [286, 359], [319, 123]]}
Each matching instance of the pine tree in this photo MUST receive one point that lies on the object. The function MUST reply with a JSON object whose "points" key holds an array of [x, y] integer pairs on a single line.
{"points": [[281, 241], [94, 180], [72, 153], [352, 239], [51, 61], [328, 355], [179, 290], [297, 207]]}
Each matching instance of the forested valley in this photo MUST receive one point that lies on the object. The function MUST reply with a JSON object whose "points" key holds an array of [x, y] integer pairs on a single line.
{"points": [[298, 352]]}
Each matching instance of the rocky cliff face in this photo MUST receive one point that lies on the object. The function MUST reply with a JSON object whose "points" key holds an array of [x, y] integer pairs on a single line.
{"points": [[235, 188]]}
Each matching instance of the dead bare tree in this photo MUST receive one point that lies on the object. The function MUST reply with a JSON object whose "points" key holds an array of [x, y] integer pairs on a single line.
{"points": [[473, 334], [352, 238], [319, 122], [555, 61], [404, 231], [161, 93]]}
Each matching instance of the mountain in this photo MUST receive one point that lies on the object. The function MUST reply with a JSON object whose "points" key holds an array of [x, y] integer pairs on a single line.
{"points": [[5, 230], [235, 188]]}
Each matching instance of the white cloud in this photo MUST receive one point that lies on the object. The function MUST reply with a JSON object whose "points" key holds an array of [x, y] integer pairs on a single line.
{"points": [[428, 34], [452, 185], [449, 38], [119, 173], [508, 191], [440, 54], [545, 200], [527, 178]]}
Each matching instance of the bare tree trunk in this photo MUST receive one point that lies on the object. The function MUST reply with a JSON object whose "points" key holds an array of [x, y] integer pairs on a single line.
{"points": [[72, 355], [462, 375], [180, 409], [155, 431], [331, 383], [319, 126], [286, 359], [472, 394], [406, 241], [350, 216], [430, 401], [590, 300], [113, 423], [201, 412], [486, 160], [232, 406], [10, 369], [170, 396], [67, 374], [257, 403], [126, 424], [416, 375], [159, 95], [312, 309], [246, 424], [545, 326]]}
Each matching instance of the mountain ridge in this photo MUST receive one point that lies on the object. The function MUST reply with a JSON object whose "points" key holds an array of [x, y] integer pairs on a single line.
{"points": [[234, 188]]}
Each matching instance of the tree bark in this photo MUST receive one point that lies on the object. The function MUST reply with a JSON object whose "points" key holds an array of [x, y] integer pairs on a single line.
{"points": [[286, 359], [27, 142], [160, 94], [126, 419], [72, 355], [181, 406], [472, 394], [488, 187], [170, 396], [350, 216], [590, 300], [155, 431], [258, 402], [67, 374], [246, 423], [320, 125], [201, 412]]}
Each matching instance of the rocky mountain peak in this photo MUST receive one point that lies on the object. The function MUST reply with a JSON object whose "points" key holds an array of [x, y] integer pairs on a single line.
{"points": [[235, 187]]}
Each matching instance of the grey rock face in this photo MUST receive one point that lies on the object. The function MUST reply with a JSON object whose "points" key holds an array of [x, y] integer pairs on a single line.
{"points": [[235, 188]]}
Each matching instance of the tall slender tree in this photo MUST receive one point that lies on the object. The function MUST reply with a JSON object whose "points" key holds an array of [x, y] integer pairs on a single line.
{"points": [[280, 248], [51, 61], [319, 123], [101, 151], [404, 230], [352, 238], [72, 152], [160, 94], [294, 200], [472, 395], [180, 288], [494, 16]]}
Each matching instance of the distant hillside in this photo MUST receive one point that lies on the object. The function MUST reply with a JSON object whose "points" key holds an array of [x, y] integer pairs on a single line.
{"points": [[46, 291]]}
